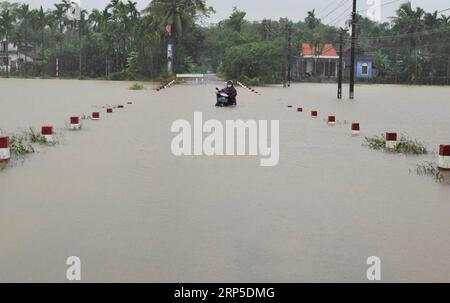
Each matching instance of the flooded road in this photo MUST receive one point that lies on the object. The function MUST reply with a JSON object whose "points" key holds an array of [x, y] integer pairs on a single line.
{"points": [[115, 196]]}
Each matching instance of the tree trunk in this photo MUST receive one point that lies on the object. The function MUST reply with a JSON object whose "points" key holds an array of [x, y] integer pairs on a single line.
{"points": [[7, 56], [25, 54]]}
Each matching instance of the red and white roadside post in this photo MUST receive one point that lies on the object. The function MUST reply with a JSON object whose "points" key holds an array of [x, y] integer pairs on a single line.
{"points": [[95, 116], [47, 132], [75, 123], [299, 109], [5, 152], [109, 110], [444, 157], [314, 114], [331, 120], [355, 129], [391, 140]]}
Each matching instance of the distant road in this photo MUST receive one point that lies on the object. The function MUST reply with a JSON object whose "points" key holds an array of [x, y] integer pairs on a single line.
{"points": [[212, 78]]}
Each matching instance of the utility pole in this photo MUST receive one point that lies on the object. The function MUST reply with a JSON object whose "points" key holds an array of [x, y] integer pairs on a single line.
{"points": [[80, 33], [289, 55], [170, 57], [169, 29], [341, 51], [353, 53], [7, 56]]}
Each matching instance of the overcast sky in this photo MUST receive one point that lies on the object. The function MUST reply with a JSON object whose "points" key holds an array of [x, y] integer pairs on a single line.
{"points": [[274, 9]]}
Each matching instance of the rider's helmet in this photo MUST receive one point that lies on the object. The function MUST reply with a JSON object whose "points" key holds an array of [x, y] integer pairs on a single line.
{"points": [[230, 83]]}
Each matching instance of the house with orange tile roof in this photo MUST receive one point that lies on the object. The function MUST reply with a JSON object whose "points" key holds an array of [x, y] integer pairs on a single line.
{"points": [[318, 62]]}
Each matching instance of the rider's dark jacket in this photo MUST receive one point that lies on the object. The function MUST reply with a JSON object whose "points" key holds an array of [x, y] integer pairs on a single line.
{"points": [[230, 91]]}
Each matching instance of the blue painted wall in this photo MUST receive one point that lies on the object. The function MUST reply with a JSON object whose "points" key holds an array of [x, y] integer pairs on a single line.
{"points": [[359, 68]]}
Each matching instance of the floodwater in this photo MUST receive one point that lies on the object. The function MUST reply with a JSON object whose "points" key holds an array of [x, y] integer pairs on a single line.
{"points": [[115, 196]]}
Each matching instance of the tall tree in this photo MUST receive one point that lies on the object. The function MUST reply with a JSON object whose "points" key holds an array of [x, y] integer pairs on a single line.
{"points": [[23, 32], [7, 20], [178, 13], [311, 21]]}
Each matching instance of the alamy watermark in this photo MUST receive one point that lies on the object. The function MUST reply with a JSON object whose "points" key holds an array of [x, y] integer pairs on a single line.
{"points": [[74, 11], [235, 138], [374, 271], [73, 272], [374, 10]]}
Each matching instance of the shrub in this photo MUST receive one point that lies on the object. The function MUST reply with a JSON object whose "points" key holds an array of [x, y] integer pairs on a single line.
{"points": [[404, 146], [253, 81], [36, 138], [137, 86], [19, 146], [430, 169], [255, 60]]}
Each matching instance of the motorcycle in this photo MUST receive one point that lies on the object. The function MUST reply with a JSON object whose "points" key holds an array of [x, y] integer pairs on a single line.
{"points": [[223, 99]]}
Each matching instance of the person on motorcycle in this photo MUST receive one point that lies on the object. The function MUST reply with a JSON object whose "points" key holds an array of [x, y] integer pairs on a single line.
{"points": [[231, 91]]}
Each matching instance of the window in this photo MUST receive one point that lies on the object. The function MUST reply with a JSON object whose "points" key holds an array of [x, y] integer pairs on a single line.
{"points": [[365, 69]]}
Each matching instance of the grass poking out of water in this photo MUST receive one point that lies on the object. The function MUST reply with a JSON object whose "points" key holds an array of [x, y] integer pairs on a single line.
{"points": [[376, 142], [404, 146], [19, 146], [430, 169], [137, 86], [36, 138]]}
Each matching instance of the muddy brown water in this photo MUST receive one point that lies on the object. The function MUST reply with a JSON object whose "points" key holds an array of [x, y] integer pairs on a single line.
{"points": [[115, 196]]}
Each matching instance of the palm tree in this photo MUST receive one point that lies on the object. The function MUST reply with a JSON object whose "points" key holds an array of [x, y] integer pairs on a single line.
{"points": [[7, 20], [311, 21], [40, 21], [407, 23], [178, 13], [24, 16], [101, 25], [236, 20], [59, 21]]}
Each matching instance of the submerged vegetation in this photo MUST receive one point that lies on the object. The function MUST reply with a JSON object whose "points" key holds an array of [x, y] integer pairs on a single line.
{"points": [[404, 146], [36, 137], [376, 142], [430, 169], [137, 86], [19, 146]]}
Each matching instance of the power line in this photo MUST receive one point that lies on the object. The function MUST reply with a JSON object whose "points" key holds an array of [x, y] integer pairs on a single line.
{"points": [[339, 5], [381, 5], [339, 17], [405, 35], [323, 9]]}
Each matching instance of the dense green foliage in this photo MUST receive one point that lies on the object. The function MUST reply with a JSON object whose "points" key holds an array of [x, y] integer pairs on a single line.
{"points": [[120, 42], [413, 48]]}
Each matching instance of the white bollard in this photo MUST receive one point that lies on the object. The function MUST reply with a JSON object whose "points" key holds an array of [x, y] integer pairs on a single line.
{"points": [[391, 140], [331, 120], [75, 123], [5, 152], [47, 132], [355, 129], [444, 157]]}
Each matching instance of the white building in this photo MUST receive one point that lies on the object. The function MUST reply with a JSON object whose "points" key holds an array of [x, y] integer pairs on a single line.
{"points": [[17, 55], [322, 63]]}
